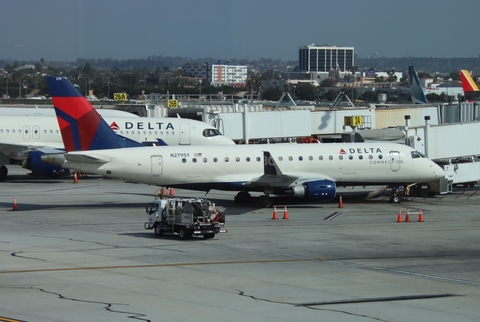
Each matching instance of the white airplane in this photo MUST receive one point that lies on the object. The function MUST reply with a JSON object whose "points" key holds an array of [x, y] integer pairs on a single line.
{"points": [[307, 171], [22, 132]]}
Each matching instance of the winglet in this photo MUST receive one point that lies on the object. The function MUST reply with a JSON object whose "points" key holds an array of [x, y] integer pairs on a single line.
{"points": [[269, 165], [81, 126], [418, 95]]}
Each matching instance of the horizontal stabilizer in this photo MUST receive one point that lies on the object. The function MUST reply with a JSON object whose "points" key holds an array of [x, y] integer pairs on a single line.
{"points": [[81, 158]]}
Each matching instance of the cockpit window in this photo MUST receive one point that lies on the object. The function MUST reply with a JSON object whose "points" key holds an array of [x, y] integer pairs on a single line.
{"points": [[211, 132], [416, 155]]}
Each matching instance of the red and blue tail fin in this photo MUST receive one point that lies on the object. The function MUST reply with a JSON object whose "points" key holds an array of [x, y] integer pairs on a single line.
{"points": [[81, 126]]}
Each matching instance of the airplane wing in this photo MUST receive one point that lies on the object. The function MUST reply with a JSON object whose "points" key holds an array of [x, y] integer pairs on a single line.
{"points": [[274, 178], [18, 151]]}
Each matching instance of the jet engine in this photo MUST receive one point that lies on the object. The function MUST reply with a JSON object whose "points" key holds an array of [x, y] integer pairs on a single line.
{"points": [[33, 162], [319, 190]]}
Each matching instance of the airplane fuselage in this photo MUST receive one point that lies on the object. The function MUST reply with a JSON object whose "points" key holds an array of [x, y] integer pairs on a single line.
{"points": [[18, 132], [229, 168]]}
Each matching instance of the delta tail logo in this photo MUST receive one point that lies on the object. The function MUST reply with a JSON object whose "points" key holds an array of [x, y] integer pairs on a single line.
{"points": [[342, 151]]}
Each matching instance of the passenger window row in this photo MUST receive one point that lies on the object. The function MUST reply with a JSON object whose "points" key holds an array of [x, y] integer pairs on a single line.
{"points": [[290, 158]]}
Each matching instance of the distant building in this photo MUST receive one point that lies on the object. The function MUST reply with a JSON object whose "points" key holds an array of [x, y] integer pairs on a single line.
{"points": [[228, 75], [322, 59], [197, 70], [218, 74]]}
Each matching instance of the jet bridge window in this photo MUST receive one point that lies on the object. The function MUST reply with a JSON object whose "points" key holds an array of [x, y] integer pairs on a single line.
{"points": [[211, 132]]}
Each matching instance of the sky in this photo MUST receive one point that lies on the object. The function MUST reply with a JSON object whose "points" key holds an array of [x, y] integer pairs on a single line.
{"points": [[64, 30]]}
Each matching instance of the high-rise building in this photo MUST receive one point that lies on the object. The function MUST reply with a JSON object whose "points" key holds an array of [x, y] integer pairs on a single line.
{"points": [[320, 59]]}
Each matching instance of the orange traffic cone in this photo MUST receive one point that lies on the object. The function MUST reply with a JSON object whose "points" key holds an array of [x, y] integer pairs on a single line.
{"points": [[285, 212], [274, 212], [75, 177], [420, 216], [399, 216], [162, 191], [171, 192], [407, 216], [14, 204], [340, 202]]}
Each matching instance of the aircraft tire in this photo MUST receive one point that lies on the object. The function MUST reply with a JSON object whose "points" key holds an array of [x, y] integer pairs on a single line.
{"points": [[265, 201], [242, 197], [3, 173]]}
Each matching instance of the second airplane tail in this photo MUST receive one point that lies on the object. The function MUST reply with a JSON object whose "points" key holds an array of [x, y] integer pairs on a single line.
{"points": [[470, 89], [81, 126], [418, 95]]}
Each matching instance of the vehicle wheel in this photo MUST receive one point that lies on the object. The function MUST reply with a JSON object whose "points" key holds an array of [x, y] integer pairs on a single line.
{"points": [[208, 236], [471, 184], [3, 173], [158, 231], [185, 234]]}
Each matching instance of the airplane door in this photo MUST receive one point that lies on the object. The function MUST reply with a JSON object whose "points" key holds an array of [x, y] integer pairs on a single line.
{"points": [[26, 132], [184, 134], [156, 165], [395, 161], [35, 132]]}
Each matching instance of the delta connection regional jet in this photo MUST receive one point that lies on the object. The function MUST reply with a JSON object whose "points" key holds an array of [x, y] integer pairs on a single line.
{"points": [[305, 171]]}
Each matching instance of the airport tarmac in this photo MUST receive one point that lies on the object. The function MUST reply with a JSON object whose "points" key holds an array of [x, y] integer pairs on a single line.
{"points": [[77, 252]]}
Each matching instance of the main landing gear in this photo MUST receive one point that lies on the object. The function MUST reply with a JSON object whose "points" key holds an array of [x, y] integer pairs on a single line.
{"points": [[243, 197]]}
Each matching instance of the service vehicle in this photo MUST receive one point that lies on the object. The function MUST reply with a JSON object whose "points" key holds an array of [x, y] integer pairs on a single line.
{"points": [[185, 217]]}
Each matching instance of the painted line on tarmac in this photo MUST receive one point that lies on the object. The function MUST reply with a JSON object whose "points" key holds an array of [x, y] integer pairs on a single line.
{"points": [[334, 215], [5, 319], [91, 268]]}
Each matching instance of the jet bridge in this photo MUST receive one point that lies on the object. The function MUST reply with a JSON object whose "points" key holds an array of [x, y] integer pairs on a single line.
{"points": [[453, 146]]}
